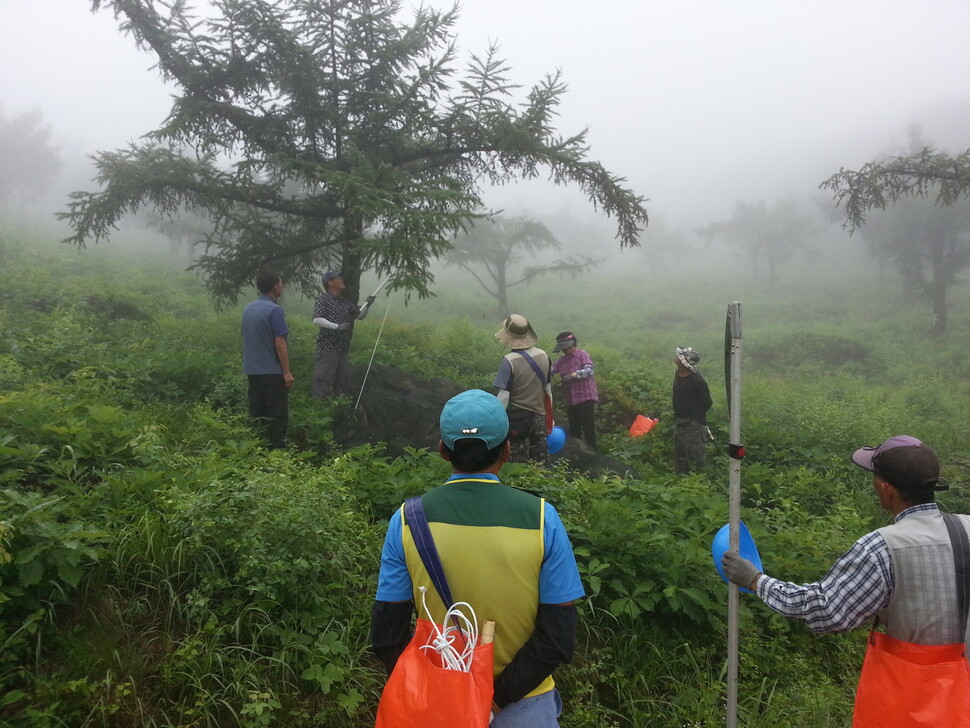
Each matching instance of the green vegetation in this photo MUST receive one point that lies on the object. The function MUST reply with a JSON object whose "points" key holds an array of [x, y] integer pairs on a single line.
{"points": [[158, 567], [355, 142]]}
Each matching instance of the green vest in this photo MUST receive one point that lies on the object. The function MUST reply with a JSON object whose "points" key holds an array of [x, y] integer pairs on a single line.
{"points": [[490, 541]]}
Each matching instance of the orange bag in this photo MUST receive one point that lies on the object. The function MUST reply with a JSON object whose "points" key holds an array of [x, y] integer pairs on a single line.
{"points": [[642, 425], [906, 685], [420, 693]]}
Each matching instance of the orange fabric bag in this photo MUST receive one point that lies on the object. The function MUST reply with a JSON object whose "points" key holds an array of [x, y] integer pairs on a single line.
{"points": [[906, 685], [641, 426], [420, 693]]}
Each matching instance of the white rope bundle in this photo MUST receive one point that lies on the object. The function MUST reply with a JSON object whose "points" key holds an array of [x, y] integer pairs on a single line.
{"points": [[443, 642]]}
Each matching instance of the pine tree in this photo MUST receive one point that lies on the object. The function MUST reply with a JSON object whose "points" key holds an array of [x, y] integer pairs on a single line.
{"points": [[329, 134]]}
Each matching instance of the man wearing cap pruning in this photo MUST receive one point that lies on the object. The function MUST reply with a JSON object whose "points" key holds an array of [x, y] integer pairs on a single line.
{"points": [[903, 574], [504, 551], [692, 400], [523, 383], [335, 315], [575, 367]]}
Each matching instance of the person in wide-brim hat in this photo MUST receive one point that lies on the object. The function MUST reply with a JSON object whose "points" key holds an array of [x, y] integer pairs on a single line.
{"points": [[517, 333]]}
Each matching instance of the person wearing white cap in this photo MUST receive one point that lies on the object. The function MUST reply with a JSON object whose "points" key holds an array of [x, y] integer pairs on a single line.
{"points": [[903, 574], [524, 388], [335, 315]]}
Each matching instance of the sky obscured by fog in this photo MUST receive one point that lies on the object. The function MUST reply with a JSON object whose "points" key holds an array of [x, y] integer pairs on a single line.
{"points": [[698, 103]]}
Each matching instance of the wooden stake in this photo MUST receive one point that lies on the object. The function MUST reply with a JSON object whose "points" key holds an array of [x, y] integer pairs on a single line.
{"points": [[488, 632]]}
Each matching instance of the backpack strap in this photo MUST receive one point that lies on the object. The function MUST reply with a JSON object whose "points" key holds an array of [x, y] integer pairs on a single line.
{"points": [[535, 367], [961, 563], [418, 523]]}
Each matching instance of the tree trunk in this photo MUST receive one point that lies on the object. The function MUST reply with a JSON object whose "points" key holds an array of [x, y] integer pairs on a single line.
{"points": [[938, 285], [502, 291], [939, 308], [350, 259]]}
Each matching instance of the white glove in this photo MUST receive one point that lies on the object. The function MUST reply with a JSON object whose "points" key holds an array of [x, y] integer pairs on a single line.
{"points": [[325, 323]]}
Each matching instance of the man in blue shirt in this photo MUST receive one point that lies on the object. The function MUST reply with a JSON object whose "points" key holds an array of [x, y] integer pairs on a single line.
{"points": [[266, 360]]}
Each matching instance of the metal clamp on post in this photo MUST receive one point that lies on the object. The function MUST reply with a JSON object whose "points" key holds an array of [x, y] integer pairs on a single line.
{"points": [[736, 451]]}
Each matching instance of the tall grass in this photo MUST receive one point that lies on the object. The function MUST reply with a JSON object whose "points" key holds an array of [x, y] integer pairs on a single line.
{"points": [[159, 567]]}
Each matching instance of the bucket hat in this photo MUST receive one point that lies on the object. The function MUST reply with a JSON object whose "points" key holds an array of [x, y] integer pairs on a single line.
{"points": [[516, 333], [688, 357]]}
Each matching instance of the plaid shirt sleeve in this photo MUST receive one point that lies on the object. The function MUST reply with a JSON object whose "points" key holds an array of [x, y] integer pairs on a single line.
{"points": [[858, 586]]}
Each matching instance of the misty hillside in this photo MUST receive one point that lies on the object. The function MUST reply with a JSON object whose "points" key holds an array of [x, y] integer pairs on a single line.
{"points": [[160, 567]]}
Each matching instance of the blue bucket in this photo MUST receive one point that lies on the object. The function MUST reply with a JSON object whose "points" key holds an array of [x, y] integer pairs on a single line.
{"points": [[746, 547], [555, 440]]}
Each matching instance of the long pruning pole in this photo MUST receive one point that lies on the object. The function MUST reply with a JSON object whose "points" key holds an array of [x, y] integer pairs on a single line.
{"points": [[377, 341], [732, 379]]}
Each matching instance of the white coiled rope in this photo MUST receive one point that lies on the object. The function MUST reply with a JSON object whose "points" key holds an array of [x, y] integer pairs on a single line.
{"points": [[443, 642]]}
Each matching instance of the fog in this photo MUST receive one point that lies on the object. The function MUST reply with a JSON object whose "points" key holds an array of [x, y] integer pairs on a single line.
{"points": [[698, 104]]}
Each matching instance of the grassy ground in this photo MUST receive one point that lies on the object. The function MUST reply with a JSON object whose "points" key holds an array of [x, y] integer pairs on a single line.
{"points": [[158, 567]]}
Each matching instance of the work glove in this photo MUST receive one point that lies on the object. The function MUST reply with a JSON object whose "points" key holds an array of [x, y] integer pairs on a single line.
{"points": [[369, 300], [344, 326], [739, 570]]}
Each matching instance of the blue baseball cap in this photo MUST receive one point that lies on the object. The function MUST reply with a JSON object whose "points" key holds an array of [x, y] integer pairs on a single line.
{"points": [[330, 275], [474, 414]]}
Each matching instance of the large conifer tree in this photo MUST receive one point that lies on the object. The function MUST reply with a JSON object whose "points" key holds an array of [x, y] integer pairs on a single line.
{"points": [[329, 133]]}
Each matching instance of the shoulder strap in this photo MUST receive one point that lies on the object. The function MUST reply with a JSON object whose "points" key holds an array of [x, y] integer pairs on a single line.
{"points": [[423, 541], [535, 367], [961, 562]]}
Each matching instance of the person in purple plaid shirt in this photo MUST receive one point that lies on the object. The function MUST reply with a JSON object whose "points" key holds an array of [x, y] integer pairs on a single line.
{"points": [[575, 368], [903, 574]]}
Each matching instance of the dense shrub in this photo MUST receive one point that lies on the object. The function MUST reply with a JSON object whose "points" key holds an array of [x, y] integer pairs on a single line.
{"points": [[158, 567]]}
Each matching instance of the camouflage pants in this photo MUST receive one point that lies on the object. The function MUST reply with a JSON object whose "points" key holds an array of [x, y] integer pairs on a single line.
{"points": [[690, 445], [530, 443]]}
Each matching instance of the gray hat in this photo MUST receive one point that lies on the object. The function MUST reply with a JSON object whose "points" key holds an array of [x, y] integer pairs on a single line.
{"points": [[516, 333]]}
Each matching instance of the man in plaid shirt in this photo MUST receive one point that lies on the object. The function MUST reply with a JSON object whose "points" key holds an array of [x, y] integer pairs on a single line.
{"points": [[904, 573]]}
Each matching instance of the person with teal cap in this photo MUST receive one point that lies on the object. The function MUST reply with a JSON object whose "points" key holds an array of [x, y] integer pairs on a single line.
{"points": [[504, 551]]}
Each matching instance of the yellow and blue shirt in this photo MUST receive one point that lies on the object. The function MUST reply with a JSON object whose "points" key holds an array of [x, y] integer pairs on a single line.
{"points": [[504, 551]]}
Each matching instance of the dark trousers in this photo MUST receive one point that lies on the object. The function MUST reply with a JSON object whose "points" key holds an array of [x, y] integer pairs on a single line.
{"points": [[528, 439], [690, 445], [331, 375], [269, 407], [582, 421]]}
